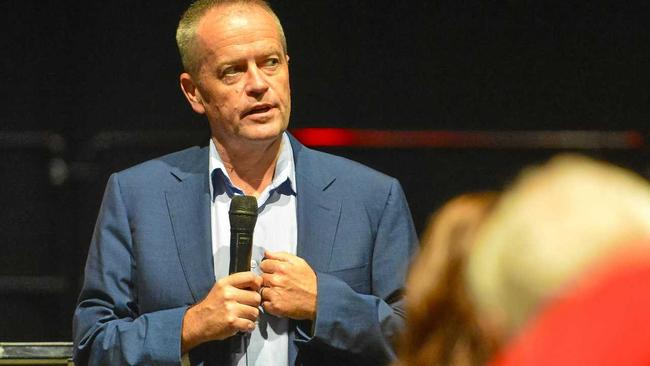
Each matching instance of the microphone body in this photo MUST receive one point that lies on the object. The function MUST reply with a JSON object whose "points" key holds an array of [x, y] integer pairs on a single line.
{"points": [[243, 216]]}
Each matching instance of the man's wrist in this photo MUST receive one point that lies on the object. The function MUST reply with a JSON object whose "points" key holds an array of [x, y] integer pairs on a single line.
{"points": [[190, 334]]}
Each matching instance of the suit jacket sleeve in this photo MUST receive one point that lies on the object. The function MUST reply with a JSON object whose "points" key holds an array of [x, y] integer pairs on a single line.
{"points": [[361, 325], [108, 327]]}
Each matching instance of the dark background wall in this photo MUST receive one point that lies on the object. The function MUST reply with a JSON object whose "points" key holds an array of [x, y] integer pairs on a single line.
{"points": [[90, 87], [81, 66]]}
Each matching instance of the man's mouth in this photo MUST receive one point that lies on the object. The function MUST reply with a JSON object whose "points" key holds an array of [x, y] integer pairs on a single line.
{"points": [[257, 109]]}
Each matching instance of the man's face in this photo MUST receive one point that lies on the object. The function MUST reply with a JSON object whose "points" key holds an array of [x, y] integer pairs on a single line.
{"points": [[243, 81]]}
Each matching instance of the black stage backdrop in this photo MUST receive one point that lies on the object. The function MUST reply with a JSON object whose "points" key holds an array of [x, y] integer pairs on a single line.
{"points": [[90, 87]]}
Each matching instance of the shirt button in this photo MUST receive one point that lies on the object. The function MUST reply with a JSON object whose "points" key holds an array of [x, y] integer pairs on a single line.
{"points": [[253, 264]]}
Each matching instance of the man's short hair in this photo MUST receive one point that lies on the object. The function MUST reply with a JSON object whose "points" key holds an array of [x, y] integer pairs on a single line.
{"points": [[186, 31]]}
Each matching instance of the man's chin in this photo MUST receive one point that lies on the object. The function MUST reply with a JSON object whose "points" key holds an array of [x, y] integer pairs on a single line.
{"points": [[261, 133], [260, 139]]}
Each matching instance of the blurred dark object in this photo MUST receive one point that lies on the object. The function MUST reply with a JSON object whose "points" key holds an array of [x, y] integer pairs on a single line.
{"points": [[53, 353]]}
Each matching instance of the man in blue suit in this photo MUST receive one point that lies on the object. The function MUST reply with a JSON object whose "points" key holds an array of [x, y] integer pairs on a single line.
{"points": [[331, 246]]}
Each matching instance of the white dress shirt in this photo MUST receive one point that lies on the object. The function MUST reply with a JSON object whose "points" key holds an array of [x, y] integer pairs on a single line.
{"points": [[275, 230]]}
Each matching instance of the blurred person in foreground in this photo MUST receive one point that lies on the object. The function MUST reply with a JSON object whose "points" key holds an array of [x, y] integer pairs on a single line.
{"points": [[562, 266], [332, 241], [442, 327]]}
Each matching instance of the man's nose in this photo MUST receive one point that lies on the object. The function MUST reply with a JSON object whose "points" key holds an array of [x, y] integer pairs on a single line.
{"points": [[256, 83]]}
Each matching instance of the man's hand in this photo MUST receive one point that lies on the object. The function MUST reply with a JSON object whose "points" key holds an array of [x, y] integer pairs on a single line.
{"points": [[230, 307], [289, 286]]}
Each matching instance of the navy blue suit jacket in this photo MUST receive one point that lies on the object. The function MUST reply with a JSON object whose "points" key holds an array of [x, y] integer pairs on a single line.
{"points": [[151, 257]]}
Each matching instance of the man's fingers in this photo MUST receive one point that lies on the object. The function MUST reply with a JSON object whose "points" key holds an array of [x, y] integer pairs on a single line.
{"points": [[280, 256], [268, 308], [244, 280], [248, 312], [245, 297], [268, 304], [242, 325], [243, 318], [267, 294], [272, 265], [272, 280]]}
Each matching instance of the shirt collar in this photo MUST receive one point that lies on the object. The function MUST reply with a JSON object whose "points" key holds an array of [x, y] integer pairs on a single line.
{"points": [[284, 179]]}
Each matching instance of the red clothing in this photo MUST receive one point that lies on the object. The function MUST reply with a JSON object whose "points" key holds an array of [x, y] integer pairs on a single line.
{"points": [[605, 320]]}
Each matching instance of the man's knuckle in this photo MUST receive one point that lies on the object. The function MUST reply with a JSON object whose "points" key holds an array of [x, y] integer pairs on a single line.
{"points": [[280, 281], [281, 308], [230, 307], [269, 295], [270, 307], [231, 320], [228, 295]]}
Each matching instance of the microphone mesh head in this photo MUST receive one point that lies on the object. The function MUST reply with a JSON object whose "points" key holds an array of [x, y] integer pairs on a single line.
{"points": [[243, 212]]}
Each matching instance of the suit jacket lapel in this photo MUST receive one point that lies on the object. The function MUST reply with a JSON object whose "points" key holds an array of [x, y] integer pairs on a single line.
{"points": [[189, 210], [318, 208]]}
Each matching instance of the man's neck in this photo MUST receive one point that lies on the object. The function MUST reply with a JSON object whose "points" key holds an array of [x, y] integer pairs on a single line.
{"points": [[250, 167]]}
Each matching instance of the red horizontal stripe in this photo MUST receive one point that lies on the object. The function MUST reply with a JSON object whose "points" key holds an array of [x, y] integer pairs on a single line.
{"points": [[343, 137]]}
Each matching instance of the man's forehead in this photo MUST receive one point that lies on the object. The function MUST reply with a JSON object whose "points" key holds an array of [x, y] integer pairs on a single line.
{"points": [[227, 23], [235, 16]]}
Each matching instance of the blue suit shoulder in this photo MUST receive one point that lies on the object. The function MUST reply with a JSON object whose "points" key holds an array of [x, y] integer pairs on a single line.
{"points": [[351, 174], [164, 170], [360, 189]]}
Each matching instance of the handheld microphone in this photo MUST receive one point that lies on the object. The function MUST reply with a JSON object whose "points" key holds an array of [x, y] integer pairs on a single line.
{"points": [[243, 216]]}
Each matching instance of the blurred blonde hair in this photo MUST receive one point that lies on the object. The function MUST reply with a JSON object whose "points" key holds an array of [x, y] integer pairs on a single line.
{"points": [[441, 327], [555, 221]]}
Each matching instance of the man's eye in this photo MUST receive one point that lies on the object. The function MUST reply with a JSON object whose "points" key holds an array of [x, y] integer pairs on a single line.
{"points": [[229, 71], [271, 62]]}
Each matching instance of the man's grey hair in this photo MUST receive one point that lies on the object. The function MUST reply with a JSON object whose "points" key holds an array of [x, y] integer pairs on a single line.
{"points": [[186, 31]]}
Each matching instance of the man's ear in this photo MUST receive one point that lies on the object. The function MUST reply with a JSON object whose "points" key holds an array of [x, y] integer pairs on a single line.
{"points": [[192, 93]]}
